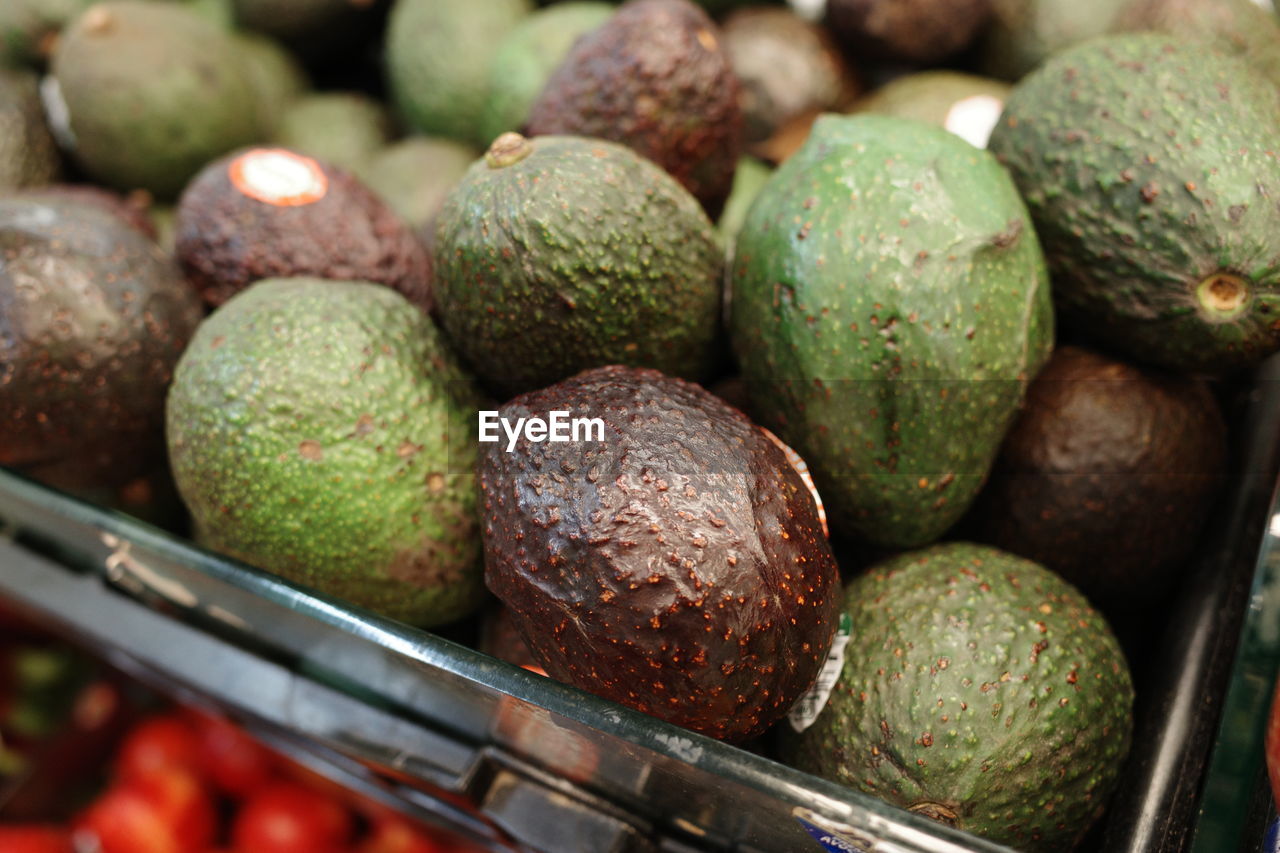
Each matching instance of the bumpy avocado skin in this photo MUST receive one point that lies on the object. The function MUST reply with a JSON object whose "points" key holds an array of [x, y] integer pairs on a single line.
{"points": [[93, 317], [656, 78], [1149, 166], [579, 254], [320, 430], [153, 91], [1107, 477], [679, 566], [889, 305], [438, 56], [28, 152], [528, 56], [979, 689], [226, 240]]}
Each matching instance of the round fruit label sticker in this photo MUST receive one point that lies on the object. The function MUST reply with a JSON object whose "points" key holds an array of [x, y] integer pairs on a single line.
{"points": [[279, 177]]}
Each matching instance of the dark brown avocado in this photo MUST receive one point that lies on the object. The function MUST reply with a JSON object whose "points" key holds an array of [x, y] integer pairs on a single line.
{"points": [[919, 31], [273, 213], [1107, 477], [678, 566], [93, 317], [132, 208], [653, 77]]}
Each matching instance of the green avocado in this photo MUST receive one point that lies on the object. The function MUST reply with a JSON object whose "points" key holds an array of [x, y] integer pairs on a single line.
{"points": [[438, 55], [29, 28], [320, 430], [276, 75], [966, 105], [152, 92], [1149, 166], [557, 254], [415, 176], [978, 689], [528, 55], [343, 129], [889, 304], [1024, 33]]}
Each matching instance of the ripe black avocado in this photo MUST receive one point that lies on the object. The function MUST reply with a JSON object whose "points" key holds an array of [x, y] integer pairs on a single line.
{"points": [[679, 566]]}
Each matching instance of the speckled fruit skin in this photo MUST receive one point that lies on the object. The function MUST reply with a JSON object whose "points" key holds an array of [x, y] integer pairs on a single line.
{"points": [[28, 153], [889, 305], [320, 430], [93, 317], [979, 689], [580, 254], [653, 77], [226, 240], [1107, 477], [678, 567], [1148, 165]]}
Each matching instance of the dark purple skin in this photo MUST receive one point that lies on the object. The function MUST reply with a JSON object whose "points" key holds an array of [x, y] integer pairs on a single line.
{"points": [[654, 77], [1107, 477], [93, 318], [678, 567], [226, 240]]}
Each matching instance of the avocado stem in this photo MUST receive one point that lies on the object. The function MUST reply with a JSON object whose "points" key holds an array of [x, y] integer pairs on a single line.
{"points": [[1223, 293], [507, 150]]}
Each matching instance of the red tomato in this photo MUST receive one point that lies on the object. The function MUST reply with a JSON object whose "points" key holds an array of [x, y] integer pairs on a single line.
{"points": [[35, 839], [397, 835], [232, 760], [284, 817], [123, 821], [183, 802], [156, 743]]}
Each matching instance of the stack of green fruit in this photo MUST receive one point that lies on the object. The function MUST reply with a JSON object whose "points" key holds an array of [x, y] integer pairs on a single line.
{"points": [[968, 309]]}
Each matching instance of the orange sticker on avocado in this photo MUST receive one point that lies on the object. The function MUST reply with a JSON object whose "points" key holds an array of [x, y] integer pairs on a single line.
{"points": [[279, 177]]}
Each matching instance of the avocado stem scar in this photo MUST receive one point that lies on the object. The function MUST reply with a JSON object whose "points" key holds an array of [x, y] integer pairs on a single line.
{"points": [[1223, 293]]}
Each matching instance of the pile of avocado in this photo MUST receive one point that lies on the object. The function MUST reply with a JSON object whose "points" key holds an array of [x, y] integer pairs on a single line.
{"points": [[844, 387]]}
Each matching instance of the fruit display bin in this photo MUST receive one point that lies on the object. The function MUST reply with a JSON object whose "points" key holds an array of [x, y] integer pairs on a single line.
{"points": [[513, 759]]}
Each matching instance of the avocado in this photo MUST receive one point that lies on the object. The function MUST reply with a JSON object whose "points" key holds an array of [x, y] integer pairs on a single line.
{"points": [[28, 153], [966, 105], [29, 29], [500, 638], [275, 74], [889, 305], [1147, 163], [1024, 33], [787, 66], [270, 212], [528, 55], [979, 689], [677, 564], [917, 31], [673, 99], [153, 91], [1238, 27], [1107, 477], [748, 179], [134, 208], [557, 254], [93, 317], [438, 55], [415, 176], [321, 430], [341, 128]]}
